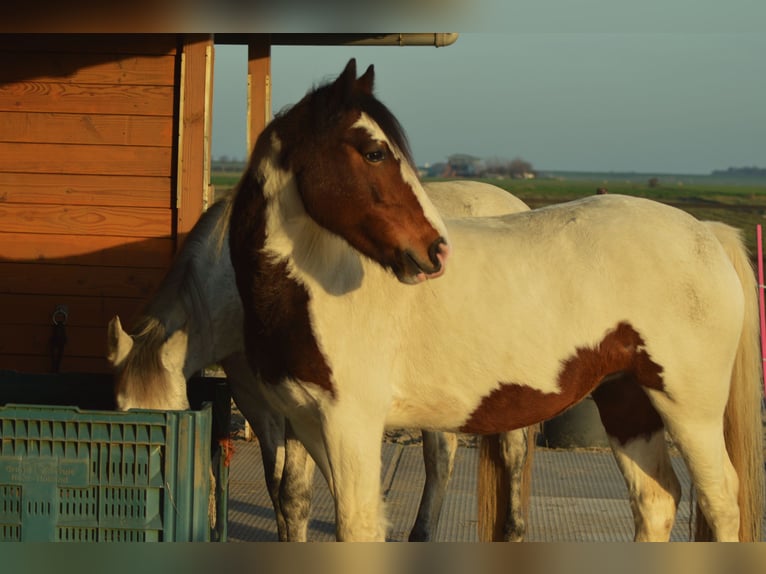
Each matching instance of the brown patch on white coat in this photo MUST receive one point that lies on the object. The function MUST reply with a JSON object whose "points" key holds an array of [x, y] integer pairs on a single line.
{"points": [[617, 371]]}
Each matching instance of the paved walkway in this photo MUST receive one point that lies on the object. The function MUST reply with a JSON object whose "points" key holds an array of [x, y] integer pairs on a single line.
{"points": [[577, 496]]}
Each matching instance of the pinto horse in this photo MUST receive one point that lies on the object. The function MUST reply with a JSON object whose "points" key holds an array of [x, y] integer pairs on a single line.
{"points": [[187, 325], [364, 310]]}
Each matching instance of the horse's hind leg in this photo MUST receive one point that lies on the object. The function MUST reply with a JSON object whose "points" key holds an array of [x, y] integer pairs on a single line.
{"points": [[504, 484], [516, 449], [695, 421], [653, 486], [283, 462], [297, 488], [269, 428], [637, 437], [713, 475], [439, 450]]}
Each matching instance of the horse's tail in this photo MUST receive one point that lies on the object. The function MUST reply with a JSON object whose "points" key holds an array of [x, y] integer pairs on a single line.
{"points": [[492, 490], [743, 431], [494, 486]]}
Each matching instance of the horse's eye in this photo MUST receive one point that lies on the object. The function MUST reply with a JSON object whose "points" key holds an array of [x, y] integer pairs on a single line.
{"points": [[375, 156]]}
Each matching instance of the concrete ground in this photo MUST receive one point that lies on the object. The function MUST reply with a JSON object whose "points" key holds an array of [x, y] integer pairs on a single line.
{"points": [[578, 496]]}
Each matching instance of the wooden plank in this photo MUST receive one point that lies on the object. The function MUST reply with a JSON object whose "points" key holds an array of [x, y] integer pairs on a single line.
{"points": [[42, 364], [259, 87], [30, 309], [35, 340], [36, 127], [82, 280], [194, 145], [94, 68], [87, 250], [66, 189], [85, 159], [156, 44], [86, 220], [31, 96]]}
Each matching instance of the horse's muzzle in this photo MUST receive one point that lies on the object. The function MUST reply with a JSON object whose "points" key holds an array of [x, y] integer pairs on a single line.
{"points": [[415, 271], [438, 253]]}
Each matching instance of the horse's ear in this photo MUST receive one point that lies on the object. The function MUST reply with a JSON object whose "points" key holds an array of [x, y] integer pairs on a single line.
{"points": [[118, 342], [349, 72], [367, 81], [344, 85], [174, 351]]}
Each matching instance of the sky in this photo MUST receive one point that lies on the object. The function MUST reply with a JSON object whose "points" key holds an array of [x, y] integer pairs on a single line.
{"points": [[592, 89]]}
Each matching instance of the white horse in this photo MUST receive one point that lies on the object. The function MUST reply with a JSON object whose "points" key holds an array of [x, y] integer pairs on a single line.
{"points": [[195, 319], [364, 310]]}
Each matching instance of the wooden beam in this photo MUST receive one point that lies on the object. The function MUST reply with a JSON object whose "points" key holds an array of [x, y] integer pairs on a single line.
{"points": [[258, 86], [193, 131]]}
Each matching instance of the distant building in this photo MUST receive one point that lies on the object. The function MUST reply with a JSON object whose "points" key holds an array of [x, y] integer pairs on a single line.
{"points": [[464, 165], [439, 169]]}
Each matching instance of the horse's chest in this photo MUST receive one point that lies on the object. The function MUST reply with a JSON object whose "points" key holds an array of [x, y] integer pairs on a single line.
{"points": [[278, 330]]}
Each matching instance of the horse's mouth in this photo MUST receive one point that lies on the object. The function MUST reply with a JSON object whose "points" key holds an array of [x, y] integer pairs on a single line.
{"points": [[414, 271]]}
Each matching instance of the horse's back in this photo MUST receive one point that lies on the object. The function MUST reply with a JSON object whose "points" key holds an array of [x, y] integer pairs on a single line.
{"points": [[603, 255], [462, 197], [528, 292], [597, 231]]}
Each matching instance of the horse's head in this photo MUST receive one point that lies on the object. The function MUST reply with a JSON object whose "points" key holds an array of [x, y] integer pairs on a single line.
{"points": [[355, 176], [148, 367]]}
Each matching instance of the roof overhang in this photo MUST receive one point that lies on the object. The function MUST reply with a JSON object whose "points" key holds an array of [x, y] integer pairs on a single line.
{"points": [[437, 40]]}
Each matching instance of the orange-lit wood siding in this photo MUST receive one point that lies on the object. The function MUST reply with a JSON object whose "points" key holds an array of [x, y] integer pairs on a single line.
{"points": [[193, 158], [90, 182]]}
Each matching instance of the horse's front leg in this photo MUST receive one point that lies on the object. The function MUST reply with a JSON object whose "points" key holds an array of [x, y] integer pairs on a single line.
{"points": [[267, 424], [439, 457], [353, 447]]}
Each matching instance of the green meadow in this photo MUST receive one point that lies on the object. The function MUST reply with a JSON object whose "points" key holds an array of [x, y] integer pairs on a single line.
{"points": [[738, 202]]}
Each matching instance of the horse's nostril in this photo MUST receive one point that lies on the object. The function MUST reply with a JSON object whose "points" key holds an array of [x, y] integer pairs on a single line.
{"points": [[438, 251]]}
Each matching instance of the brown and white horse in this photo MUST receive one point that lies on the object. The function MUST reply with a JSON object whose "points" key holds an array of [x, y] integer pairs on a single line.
{"points": [[363, 311], [195, 319]]}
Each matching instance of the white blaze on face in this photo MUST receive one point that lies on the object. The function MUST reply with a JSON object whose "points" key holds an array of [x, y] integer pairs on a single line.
{"points": [[408, 173]]}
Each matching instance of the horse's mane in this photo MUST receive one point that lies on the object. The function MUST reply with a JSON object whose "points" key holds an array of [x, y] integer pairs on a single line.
{"points": [[210, 228], [321, 106], [144, 367], [183, 285]]}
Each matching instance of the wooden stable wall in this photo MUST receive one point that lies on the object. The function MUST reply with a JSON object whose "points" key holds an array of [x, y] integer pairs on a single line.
{"points": [[104, 148]]}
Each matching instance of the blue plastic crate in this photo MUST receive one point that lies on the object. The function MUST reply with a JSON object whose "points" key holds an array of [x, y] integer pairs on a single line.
{"points": [[72, 474]]}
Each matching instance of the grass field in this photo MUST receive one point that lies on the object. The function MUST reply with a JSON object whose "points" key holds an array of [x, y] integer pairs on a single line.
{"points": [[741, 203], [224, 180]]}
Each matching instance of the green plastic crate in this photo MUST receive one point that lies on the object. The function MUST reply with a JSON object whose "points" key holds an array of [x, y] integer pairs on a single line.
{"points": [[81, 475]]}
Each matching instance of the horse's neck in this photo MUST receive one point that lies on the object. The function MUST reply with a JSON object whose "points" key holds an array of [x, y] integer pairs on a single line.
{"points": [[206, 304], [215, 328], [172, 314], [293, 236]]}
